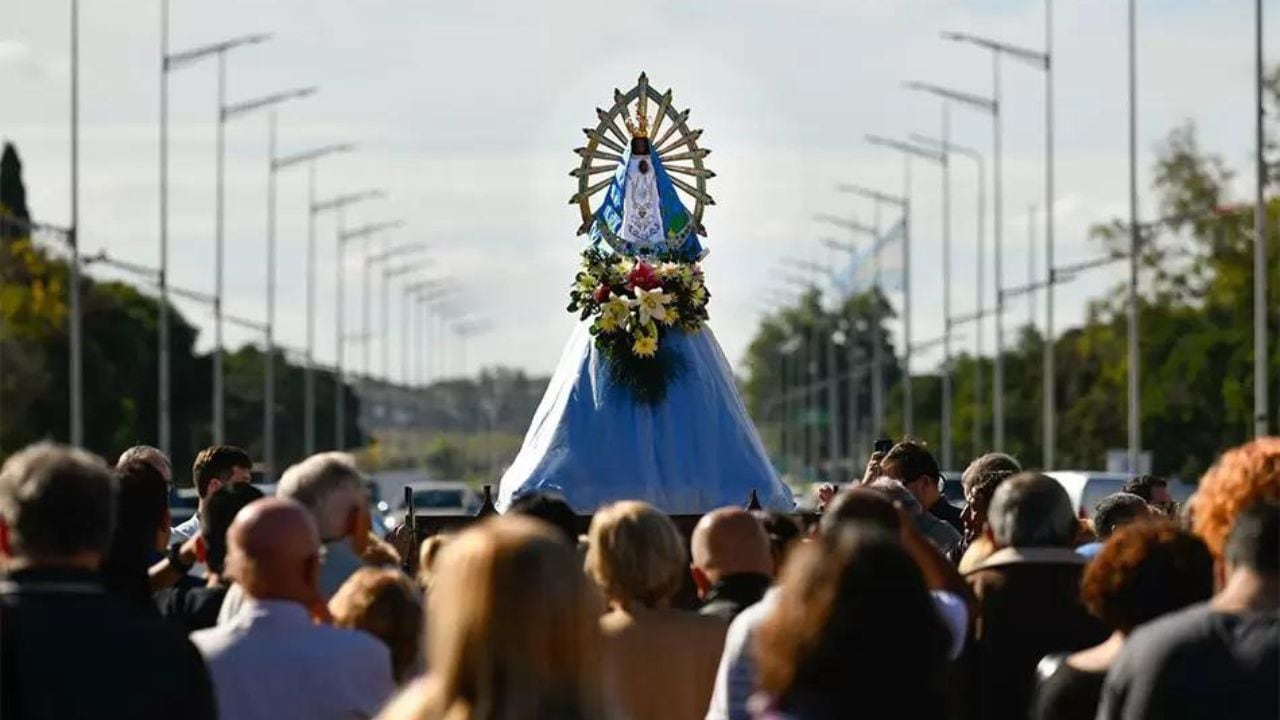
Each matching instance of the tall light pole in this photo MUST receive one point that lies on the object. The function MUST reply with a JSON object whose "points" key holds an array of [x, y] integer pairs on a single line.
{"points": [[389, 273], [76, 321], [1040, 60], [345, 236], [308, 158], [852, 250], [337, 205], [390, 254], [173, 62], [432, 293], [989, 106], [1135, 242], [877, 383], [269, 370], [366, 285], [908, 150], [1261, 414], [976, 156]]}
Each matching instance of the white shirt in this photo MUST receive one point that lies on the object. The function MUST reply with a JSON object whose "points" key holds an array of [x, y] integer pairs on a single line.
{"points": [[736, 676], [271, 662], [185, 530]]}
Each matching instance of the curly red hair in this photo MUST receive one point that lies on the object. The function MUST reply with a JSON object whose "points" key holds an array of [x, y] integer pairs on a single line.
{"points": [[1146, 569], [1242, 477]]}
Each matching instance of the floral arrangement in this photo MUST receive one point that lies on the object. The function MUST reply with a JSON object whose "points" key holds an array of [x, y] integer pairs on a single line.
{"points": [[636, 302]]}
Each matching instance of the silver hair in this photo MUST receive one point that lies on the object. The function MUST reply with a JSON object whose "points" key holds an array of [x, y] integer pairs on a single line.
{"points": [[1032, 510], [329, 486], [151, 455], [990, 468], [897, 492]]}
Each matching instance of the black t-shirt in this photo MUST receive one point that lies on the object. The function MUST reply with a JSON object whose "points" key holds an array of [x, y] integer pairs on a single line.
{"points": [[1197, 663], [1065, 692], [191, 608]]}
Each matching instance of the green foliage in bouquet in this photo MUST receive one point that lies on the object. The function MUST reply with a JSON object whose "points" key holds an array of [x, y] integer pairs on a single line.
{"points": [[636, 303]]}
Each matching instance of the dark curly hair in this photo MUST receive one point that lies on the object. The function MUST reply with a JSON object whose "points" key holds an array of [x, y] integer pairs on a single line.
{"points": [[1145, 570]]}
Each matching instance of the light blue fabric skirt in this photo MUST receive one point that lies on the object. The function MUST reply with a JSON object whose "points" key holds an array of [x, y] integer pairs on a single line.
{"points": [[592, 443]]}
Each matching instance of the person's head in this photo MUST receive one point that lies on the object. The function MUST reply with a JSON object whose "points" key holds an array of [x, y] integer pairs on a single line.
{"points": [[911, 464], [980, 481], [384, 603], [897, 493], [379, 552], [142, 521], [1117, 510], [220, 465], [1144, 571], [216, 515], [428, 554], [1253, 546], [1154, 490], [57, 508], [154, 456], [1031, 510], [728, 541], [1242, 477], [330, 486], [635, 554], [273, 551], [854, 626], [783, 531], [512, 629], [860, 506], [551, 509]]}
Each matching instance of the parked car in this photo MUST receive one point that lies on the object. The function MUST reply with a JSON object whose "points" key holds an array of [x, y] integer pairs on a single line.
{"points": [[438, 497], [1087, 487], [183, 504]]}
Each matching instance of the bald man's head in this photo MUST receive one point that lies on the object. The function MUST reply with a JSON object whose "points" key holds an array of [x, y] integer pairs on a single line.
{"points": [[273, 551], [727, 542]]}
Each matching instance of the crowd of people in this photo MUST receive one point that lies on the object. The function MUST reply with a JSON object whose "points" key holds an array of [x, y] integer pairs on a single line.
{"points": [[888, 603]]}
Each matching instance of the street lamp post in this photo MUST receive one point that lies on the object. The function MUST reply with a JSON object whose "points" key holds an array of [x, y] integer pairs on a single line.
{"points": [[345, 236], [982, 104], [1135, 241], [976, 157], [876, 376], [908, 150], [269, 371], [1037, 59], [76, 320], [436, 297], [388, 273], [308, 158], [877, 383], [337, 205], [170, 63], [1261, 419]]}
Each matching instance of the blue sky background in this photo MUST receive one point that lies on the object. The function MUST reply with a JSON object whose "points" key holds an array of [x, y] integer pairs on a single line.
{"points": [[467, 113]]}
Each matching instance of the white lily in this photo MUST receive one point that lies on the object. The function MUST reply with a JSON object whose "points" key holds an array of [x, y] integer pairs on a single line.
{"points": [[651, 304]]}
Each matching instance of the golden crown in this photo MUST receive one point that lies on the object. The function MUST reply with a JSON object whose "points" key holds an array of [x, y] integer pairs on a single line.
{"points": [[639, 128]]}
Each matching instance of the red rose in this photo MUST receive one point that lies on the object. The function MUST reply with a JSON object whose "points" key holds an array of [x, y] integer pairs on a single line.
{"points": [[642, 276], [601, 294]]}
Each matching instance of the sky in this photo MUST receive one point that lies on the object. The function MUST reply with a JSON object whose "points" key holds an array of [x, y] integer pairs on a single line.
{"points": [[467, 114]]}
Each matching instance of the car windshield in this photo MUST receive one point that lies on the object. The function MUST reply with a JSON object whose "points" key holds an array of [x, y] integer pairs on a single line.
{"points": [[441, 498]]}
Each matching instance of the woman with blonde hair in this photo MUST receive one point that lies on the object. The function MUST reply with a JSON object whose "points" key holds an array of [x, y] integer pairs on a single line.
{"points": [[384, 603], [511, 631], [662, 661]]}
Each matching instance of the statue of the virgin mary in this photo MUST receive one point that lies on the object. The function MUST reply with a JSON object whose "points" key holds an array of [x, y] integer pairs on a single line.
{"points": [[643, 404]]}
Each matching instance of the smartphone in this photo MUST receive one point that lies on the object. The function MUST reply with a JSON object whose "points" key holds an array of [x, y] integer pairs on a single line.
{"points": [[883, 445]]}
